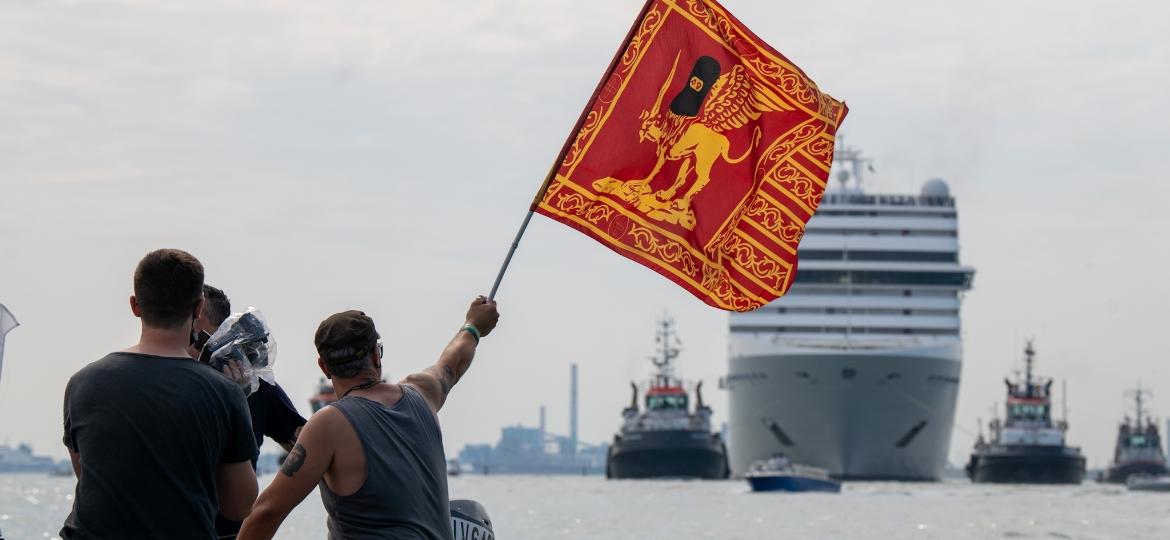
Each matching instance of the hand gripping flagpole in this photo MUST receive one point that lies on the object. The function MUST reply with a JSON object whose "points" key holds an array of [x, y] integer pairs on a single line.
{"points": [[552, 172]]}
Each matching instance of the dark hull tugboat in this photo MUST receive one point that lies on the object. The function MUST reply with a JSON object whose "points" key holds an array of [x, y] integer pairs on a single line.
{"points": [[1028, 447], [666, 440], [1139, 446]]}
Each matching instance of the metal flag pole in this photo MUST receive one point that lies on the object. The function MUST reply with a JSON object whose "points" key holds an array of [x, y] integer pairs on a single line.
{"points": [[565, 148]]}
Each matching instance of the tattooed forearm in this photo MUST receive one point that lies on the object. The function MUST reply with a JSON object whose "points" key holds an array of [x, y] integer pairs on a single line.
{"points": [[294, 461]]}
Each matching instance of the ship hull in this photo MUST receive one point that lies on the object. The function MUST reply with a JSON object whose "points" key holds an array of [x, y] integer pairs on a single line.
{"points": [[1028, 465], [1119, 474], [861, 414], [792, 483], [667, 454]]}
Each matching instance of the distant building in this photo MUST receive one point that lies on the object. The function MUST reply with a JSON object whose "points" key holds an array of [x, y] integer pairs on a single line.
{"points": [[22, 459], [525, 450], [533, 450]]}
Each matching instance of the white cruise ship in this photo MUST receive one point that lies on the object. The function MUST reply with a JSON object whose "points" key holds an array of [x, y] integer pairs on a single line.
{"points": [[857, 368]]}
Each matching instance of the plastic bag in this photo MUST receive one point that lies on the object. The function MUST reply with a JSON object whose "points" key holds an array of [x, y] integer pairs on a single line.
{"points": [[245, 338]]}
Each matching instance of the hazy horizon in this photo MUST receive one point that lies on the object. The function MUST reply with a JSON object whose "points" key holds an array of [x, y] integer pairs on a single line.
{"points": [[380, 155]]}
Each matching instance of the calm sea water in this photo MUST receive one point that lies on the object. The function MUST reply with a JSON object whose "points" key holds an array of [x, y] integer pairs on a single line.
{"points": [[33, 506]]}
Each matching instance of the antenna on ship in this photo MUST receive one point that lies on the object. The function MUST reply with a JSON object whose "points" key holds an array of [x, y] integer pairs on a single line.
{"points": [[852, 157], [668, 348], [1064, 403], [1029, 354], [1138, 396]]}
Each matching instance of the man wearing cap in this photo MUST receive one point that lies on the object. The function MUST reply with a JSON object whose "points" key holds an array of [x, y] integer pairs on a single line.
{"points": [[377, 452]]}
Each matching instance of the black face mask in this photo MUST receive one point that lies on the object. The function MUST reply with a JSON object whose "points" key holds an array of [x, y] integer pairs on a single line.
{"points": [[199, 338]]}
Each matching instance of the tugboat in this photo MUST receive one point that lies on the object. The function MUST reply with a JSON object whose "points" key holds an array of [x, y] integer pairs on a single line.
{"points": [[1028, 447], [325, 395], [1139, 445], [666, 440], [779, 474]]}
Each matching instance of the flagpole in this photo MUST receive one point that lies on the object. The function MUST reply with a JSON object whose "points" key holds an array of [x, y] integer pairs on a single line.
{"points": [[565, 148]]}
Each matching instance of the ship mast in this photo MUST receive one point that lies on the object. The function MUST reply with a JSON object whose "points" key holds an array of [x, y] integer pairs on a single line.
{"points": [[851, 156], [1029, 353], [1139, 396], [668, 348]]}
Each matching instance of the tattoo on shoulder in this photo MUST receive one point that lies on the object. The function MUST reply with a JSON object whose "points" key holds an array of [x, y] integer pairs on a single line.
{"points": [[447, 380], [294, 461]]}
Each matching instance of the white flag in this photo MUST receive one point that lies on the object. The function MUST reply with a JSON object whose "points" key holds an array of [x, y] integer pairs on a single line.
{"points": [[7, 323]]}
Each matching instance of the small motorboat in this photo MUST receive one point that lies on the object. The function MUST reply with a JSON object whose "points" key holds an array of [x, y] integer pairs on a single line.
{"points": [[1142, 482], [778, 474]]}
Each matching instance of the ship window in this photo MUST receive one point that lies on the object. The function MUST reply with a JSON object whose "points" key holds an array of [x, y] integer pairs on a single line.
{"points": [[666, 402], [821, 231], [874, 255], [742, 329], [878, 277], [1029, 412]]}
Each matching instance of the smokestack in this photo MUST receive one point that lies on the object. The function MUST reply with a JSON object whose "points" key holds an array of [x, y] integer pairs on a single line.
{"points": [[573, 408], [542, 424]]}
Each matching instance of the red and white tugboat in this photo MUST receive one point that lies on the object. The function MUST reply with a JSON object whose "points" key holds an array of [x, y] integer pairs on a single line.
{"points": [[666, 439], [1029, 446]]}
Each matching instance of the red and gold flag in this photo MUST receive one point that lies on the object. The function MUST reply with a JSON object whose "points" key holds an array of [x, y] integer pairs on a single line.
{"points": [[702, 155]]}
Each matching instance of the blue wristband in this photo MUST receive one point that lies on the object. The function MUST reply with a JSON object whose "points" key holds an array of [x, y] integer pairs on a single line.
{"points": [[471, 329]]}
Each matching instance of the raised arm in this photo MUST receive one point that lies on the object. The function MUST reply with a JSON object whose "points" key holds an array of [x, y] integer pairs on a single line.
{"points": [[301, 471], [436, 381]]}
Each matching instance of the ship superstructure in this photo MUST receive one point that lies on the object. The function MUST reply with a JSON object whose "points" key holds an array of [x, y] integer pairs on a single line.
{"points": [[856, 370]]}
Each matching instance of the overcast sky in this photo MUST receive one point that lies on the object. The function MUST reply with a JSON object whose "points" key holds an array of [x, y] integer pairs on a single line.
{"points": [[379, 155]]}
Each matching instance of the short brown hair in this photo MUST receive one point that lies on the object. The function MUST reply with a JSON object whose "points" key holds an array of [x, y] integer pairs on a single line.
{"points": [[167, 284]]}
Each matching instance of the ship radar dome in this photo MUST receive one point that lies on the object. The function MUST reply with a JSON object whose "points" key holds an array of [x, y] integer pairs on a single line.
{"points": [[936, 188]]}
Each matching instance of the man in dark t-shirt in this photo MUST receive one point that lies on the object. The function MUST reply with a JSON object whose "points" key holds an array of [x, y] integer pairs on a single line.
{"points": [[159, 442], [273, 414]]}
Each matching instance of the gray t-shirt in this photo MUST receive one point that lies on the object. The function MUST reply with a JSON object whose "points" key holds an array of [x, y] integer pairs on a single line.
{"points": [[151, 432], [405, 492]]}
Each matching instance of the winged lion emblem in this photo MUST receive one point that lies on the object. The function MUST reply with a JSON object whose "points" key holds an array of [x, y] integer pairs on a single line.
{"points": [[692, 129]]}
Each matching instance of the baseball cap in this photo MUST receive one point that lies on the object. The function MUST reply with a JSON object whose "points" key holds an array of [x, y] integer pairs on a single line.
{"points": [[346, 334]]}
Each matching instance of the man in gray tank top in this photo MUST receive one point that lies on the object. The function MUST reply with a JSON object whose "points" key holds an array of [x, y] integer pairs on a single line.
{"points": [[377, 453]]}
